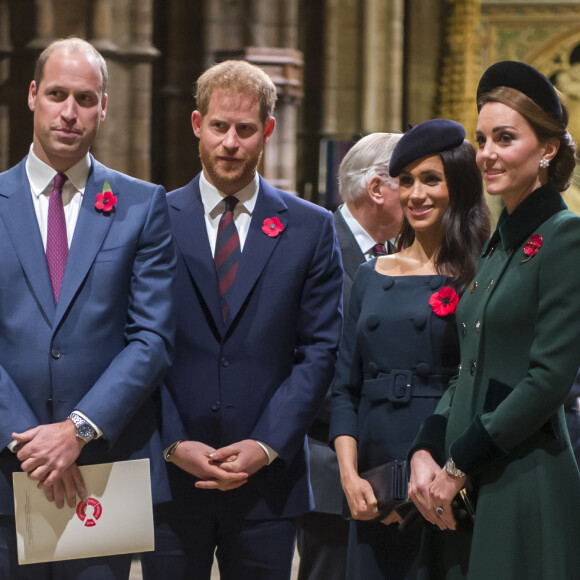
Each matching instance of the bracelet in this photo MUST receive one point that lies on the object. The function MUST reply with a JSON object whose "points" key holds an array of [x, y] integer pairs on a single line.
{"points": [[167, 453]]}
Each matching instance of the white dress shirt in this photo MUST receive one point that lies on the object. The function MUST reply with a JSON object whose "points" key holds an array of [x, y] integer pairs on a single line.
{"points": [[214, 206], [363, 239], [41, 177]]}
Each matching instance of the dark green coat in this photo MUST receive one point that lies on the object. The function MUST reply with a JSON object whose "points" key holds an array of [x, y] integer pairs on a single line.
{"points": [[502, 419]]}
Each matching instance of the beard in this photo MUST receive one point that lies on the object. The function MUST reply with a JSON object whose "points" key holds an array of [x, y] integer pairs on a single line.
{"points": [[228, 178]]}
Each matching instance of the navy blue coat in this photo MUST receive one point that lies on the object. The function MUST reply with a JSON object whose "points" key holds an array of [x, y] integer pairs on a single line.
{"points": [[264, 374]]}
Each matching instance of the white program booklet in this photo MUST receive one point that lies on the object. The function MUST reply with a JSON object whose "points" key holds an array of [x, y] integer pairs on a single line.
{"points": [[117, 517]]}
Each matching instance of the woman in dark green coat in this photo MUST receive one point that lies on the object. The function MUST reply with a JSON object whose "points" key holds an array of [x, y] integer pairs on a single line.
{"points": [[501, 423]]}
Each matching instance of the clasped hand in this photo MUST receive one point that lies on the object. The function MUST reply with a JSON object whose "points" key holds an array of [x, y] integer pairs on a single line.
{"points": [[225, 468], [431, 487], [362, 501], [47, 454]]}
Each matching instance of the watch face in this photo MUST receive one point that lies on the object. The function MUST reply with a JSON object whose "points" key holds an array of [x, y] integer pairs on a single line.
{"points": [[84, 430]]}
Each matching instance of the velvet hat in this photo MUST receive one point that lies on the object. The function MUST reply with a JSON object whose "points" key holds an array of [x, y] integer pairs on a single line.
{"points": [[524, 78], [428, 138]]}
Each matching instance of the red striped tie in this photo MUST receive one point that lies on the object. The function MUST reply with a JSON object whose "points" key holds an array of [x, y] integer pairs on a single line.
{"points": [[227, 253], [56, 238]]}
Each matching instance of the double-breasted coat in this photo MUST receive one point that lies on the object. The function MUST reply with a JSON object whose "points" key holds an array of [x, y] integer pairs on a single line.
{"points": [[502, 420]]}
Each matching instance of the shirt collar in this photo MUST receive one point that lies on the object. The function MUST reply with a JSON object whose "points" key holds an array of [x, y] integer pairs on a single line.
{"points": [[363, 239], [40, 175], [211, 197], [512, 229]]}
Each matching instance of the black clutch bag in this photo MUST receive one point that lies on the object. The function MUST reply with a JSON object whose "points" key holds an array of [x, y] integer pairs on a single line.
{"points": [[389, 482]]}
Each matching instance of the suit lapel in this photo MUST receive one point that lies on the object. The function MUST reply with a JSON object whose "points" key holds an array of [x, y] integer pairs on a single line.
{"points": [[90, 232], [190, 232], [352, 256], [258, 247], [17, 213]]}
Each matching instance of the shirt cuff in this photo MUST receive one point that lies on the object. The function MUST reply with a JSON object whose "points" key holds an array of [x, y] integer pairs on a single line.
{"points": [[98, 432], [12, 445], [270, 453]]}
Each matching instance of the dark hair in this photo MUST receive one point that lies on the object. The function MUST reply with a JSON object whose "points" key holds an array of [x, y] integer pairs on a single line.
{"points": [[465, 222], [544, 126]]}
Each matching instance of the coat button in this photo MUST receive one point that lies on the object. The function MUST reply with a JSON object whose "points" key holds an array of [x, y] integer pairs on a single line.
{"points": [[423, 369], [463, 328], [54, 353], [419, 321], [224, 362], [216, 407], [372, 321], [473, 288], [490, 285], [373, 370], [478, 326], [473, 367]]}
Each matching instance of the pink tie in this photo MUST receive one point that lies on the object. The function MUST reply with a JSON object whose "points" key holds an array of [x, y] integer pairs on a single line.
{"points": [[56, 238]]}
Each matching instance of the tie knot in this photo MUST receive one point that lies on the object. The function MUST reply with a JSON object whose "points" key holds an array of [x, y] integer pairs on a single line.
{"points": [[231, 202], [378, 250], [59, 181]]}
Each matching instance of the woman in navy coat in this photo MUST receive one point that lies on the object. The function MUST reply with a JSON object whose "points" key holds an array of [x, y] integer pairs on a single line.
{"points": [[400, 346]]}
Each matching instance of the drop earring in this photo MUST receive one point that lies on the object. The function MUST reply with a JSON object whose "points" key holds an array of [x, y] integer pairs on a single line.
{"points": [[544, 163]]}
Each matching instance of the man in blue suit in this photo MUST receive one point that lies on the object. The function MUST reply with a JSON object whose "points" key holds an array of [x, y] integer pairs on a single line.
{"points": [[86, 319], [259, 322]]}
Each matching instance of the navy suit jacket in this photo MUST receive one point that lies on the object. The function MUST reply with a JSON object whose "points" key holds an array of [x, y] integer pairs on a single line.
{"points": [[108, 342], [263, 374], [324, 471], [352, 256]]}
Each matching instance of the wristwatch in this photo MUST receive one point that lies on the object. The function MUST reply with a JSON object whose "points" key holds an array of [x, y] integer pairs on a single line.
{"points": [[169, 451], [453, 470], [84, 429]]}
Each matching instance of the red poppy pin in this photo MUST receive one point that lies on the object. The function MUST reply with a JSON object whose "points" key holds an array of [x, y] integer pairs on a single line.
{"points": [[532, 247], [272, 226], [105, 201], [444, 302]]}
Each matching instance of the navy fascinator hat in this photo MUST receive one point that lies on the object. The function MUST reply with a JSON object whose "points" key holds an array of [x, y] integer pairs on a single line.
{"points": [[428, 138], [524, 78]]}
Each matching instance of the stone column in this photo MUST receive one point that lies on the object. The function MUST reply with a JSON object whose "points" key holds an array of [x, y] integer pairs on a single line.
{"points": [[226, 26], [125, 139], [45, 30], [382, 83], [102, 38], [5, 52], [331, 67]]}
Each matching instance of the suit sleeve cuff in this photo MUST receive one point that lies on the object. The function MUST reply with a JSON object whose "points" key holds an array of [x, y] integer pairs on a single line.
{"points": [[475, 449], [431, 437], [270, 453]]}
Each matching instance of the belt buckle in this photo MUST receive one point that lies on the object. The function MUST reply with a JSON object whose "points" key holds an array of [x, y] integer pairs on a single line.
{"points": [[402, 386]]}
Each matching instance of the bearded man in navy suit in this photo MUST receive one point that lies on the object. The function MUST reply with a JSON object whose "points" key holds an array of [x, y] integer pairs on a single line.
{"points": [[86, 337], [254, 357]]}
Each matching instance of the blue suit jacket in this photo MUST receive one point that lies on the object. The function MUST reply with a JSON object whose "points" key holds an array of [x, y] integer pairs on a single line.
{"points": [[263, 375], [107, 344]]}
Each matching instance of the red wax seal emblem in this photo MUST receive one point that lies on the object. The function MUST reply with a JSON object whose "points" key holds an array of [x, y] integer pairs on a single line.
{"points": [[82, 511]]}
